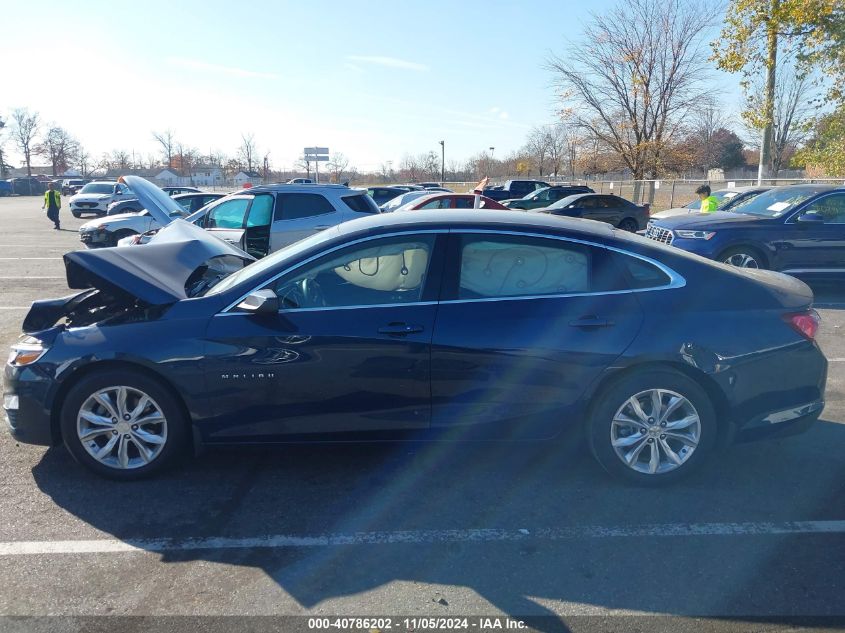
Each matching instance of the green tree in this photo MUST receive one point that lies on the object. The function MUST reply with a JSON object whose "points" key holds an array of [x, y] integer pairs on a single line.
{"points": [[824, 153], [753, 32]]}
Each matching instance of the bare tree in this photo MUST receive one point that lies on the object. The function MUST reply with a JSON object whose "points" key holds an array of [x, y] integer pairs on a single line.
{"points": [[59, 147], [120, 159], [430, 165], [635, 76], [793, 109], [168, 143], [3, 139], [537, 147], [337, 165], [83, 161], [558, 144], [410, 168], [24, 130], [248, 151]]}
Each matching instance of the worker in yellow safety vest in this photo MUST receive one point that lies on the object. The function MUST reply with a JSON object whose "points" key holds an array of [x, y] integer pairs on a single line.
{"points": [[52, 202], [708, 203]]}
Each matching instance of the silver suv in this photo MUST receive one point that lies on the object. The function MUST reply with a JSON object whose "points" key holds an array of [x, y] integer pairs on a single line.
{"points": [[266, 218], [262, 219], [95, 197]]}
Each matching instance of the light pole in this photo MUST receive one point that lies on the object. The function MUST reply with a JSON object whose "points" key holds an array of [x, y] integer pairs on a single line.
{"points": [[492, 149], [442, 162]]}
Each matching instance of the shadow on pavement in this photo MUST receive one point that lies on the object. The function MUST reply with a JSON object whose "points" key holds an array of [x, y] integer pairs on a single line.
{"points": [[347, 489]]}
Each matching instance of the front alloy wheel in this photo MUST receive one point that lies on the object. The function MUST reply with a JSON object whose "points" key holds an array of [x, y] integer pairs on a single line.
{"points": [[742, 260], [655, 431], [122, 427], [123, 423]]}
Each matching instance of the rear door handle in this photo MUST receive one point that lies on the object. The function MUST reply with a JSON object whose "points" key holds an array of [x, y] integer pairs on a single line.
{"points": [[591, 321], [400, 329]]}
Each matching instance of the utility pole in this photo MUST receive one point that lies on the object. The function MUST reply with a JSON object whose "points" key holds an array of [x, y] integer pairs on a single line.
{"points": [[769, 103], [442, 162], [489, 162]]}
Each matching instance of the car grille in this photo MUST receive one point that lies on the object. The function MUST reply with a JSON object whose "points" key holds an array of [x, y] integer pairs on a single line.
{"points": [[659, 234], [87, 205]]}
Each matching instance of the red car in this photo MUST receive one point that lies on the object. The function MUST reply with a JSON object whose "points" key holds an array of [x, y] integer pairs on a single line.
{"points": [[450, 201]]}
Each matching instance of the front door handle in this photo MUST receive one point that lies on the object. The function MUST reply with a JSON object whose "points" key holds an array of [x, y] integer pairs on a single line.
{"points": [[400, 329], [591, 321]]}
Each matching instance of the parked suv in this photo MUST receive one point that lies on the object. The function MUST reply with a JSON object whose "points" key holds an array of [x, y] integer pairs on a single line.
{"points": [[263, 219], [95, 197]]}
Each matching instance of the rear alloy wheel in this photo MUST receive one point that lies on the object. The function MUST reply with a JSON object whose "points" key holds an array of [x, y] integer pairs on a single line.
{"points": [[122, 424], [742, 258], [652, 427], [629, 225]]}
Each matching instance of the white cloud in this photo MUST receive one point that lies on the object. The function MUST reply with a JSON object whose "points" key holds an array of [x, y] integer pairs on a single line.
{"points": [[354, 68], [503, 115], [194, 64], [388, 62]]}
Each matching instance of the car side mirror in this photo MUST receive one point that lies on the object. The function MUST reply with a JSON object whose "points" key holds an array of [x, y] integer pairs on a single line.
{"points": [[810, 218], [260, 302]]}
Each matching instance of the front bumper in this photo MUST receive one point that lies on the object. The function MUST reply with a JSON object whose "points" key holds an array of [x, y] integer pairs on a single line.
{"points": [[26, 417], [95, 238]]}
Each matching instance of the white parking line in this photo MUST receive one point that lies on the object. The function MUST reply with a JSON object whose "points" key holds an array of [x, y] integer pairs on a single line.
{"points": [[15, 307], [28, 277], [26, 258], [108, 546]]}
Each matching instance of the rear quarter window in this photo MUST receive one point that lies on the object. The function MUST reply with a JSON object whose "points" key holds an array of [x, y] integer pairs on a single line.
{"points": [[360, 203], [642, 274]]}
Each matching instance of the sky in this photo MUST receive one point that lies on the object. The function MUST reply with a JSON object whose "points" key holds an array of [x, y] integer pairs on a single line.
{"points": [[374, 80]]}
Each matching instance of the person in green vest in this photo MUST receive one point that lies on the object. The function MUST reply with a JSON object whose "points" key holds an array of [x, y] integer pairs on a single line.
{"points": [[52, 202], [708, 203]]}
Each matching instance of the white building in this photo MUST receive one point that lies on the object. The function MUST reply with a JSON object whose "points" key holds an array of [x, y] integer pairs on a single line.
{"points": [[244, 177]]}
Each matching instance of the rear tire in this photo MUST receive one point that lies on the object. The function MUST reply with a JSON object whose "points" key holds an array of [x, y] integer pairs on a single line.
{"points": [[630, 225], [123, 424], [743, 257], [625, 427]]}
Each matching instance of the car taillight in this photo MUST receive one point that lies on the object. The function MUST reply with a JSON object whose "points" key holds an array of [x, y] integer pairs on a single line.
{"points": [[805, 323]]}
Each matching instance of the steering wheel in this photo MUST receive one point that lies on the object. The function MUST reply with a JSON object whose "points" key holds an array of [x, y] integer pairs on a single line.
{"points": [[305, 293]]}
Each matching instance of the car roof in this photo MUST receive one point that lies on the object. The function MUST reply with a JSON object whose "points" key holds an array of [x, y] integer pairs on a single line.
{"points": [[489, 218], [296, 188]]}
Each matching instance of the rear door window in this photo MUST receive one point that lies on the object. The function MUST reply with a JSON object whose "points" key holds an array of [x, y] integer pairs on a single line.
{"points": [[499, 266], [294, 206]]}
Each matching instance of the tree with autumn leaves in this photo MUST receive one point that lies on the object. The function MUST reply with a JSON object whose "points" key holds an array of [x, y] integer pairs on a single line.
{"points": [[756, 33]]}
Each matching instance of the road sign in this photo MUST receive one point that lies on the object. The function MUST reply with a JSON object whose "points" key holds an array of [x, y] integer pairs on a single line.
{"points": [[316, 154]]}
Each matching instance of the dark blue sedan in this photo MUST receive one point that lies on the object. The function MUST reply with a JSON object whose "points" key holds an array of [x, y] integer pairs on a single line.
{"points": [[456, 326], [797, 229]]}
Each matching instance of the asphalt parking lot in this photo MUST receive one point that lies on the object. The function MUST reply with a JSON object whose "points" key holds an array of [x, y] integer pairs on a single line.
{"points": [[522, 530]]}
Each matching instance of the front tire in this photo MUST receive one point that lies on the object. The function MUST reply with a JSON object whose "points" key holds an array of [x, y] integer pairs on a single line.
{"points": [[742, 257], [652, 427], [123, 424], [119, 235]]}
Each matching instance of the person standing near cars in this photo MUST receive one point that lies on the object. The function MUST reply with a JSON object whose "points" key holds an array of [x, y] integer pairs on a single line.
{"points": [[709, 203], [52, 202]]}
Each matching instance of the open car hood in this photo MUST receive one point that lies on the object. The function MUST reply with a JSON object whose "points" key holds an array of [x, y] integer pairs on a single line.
{"points": [[155, 273], [157, 203]]}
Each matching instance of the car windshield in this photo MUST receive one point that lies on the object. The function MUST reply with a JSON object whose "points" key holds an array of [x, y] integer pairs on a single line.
{"points": [[98, 187], [776, 202], [531, 194], [565, 202], [404, 199], [258, 268]]}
